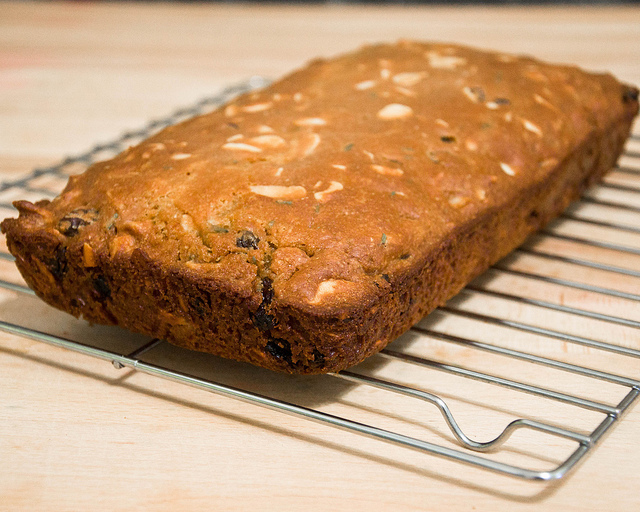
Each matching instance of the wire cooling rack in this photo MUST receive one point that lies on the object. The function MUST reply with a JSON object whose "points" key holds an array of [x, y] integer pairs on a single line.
{"points": [[566, 302]]}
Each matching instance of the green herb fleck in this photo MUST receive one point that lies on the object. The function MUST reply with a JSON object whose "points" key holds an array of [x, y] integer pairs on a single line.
{"points": [[349, 147], [217, 228], [478, 92], [280, 201], [485, 126], [383, 241], [112, 220], [448, 138], [317, 208], [432, 156], [393, 193]]}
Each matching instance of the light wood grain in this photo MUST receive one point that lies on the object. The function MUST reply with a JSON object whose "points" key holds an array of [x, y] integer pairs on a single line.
{"points": [[75, 434]]}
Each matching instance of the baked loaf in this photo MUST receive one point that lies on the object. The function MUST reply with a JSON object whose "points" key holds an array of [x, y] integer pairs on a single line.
{"points": [[303, 227]]}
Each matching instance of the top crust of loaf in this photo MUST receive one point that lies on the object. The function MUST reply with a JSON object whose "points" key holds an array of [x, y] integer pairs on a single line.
{"points": [[323, 193]]}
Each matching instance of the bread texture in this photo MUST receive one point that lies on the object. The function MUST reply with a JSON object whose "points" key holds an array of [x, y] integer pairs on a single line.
{"points": [[305, 226]]}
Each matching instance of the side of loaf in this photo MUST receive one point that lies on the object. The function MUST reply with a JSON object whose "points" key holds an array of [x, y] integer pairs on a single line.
{"points": [[305, 226]]}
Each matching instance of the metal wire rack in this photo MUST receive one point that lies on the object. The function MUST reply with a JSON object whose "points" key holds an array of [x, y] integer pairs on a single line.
{"points": [[589, 259]]}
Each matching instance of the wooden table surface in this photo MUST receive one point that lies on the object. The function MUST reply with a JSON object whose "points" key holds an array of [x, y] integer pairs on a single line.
{"points": [[75, 434]]}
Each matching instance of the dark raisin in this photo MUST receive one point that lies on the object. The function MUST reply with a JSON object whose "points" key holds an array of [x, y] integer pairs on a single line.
{"points": [[101, 286], [405, 256], [448, 138], [73, 221], [318, 358], [69, 226], [267, 290], [629, 95], [386, 278], [279, 348], [58, 265], [263, 320], [198, 305], [502, 101], [248, 240]]}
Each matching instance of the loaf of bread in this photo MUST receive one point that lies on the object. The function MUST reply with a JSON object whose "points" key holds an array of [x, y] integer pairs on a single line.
{"points": [[303, 227]]}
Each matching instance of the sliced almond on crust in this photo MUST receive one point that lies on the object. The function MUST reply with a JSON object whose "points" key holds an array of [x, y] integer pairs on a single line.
{"points": [[387, 171], [395, 111], [241, 146], [269, 141], [408, 79], [279, 191], [323, 195]]}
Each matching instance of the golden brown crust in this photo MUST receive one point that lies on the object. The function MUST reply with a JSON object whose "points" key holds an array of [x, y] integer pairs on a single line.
{"points": [[303, 227]]}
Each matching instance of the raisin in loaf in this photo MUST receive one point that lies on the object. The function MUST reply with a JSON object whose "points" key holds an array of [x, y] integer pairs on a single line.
{"points": [[303, 227]]}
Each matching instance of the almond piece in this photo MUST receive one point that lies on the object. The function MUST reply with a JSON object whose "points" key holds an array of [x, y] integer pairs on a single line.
{"points": [[279, 192], [395, 111]]}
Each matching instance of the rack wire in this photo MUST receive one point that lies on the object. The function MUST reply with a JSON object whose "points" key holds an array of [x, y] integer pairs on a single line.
{"points": [[608, 276]]}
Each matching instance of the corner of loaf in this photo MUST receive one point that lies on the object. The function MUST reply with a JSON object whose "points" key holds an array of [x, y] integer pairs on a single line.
{"points": [[305, 226]]}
